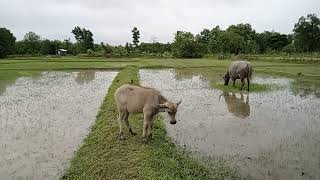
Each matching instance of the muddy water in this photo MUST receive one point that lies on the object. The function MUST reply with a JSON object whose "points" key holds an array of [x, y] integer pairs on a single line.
{"points": [[267, 135], [43, 121]]}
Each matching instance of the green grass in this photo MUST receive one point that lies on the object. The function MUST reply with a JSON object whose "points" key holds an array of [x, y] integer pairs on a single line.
{"points": [[44, 63], [104, 156], [254, 87]]}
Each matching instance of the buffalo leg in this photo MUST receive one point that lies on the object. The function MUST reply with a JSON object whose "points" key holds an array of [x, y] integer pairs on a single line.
{"points": [[247, 102], [241, 96], [146, 123], [149, 132], [145, 131], [145, 128], [248, 82], [120, 121], [125, 119], [242, 84], [234, 82]]}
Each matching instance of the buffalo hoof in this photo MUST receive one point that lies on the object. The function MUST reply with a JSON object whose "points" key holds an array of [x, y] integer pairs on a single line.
{"points": [[121, 137], [144, 140]]}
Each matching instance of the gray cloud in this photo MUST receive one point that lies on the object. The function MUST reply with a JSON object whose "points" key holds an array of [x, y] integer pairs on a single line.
{"points": [[111, 21]]}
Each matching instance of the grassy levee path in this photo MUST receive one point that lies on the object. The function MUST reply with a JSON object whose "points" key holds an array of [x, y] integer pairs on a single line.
{"points": [[104, 156]]}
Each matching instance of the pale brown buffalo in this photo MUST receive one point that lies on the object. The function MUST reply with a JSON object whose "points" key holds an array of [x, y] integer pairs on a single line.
{"points": [[135, 99]]}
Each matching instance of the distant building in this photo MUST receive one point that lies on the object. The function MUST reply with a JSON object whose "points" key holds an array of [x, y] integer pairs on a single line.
{"points": [[61, 52]]}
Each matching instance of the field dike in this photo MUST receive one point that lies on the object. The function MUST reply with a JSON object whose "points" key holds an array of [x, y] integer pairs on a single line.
{"points": [[104, 156]]}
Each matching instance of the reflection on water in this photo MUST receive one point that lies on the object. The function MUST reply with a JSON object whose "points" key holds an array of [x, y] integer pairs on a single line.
{"points": [[211, 74], [306, 86], [8, 77], [276, 138], [85, 76], [44, 120], [237, 106], [3, 87]]}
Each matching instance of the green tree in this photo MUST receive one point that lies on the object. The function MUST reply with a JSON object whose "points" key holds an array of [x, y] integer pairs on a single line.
{"points": [[204, 37], [272, 41], [32, 43], [277, 41], [289, 48], [262, 41], [20, 47], [232, 42], [129, 48], [84, 38], [186, 45], [248, 36], [50, 47], [7, 41], [135, 36], [307, 33], [155, 47], [215, 42], [46, 47], [244, 30], [211, 39], [106, 48], [120, 51]]}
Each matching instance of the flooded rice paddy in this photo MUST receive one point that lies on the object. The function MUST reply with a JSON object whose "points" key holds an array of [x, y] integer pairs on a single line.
{"points": [[44, 118], [267, 135]]}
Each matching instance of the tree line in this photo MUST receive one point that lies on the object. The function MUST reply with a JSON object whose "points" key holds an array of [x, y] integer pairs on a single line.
{"points": [[236, 39]]}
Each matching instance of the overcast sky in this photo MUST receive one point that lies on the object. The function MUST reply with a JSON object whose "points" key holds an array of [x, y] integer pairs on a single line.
{"points": [[111, 21]]}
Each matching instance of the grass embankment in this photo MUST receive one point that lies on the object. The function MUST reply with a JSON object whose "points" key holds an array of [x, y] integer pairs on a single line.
{"points": [[63, 63], [104, 156]]}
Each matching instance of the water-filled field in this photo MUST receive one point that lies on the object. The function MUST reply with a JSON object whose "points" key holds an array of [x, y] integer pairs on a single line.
{"points": [[273, 134], [44, 118]]}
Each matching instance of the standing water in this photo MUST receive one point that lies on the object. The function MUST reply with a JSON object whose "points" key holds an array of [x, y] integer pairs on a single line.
{"points": [[43, 121], [268, 135]]}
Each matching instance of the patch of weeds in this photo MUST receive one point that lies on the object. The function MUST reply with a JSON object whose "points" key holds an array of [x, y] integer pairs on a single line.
{"points": [[254, 87]]}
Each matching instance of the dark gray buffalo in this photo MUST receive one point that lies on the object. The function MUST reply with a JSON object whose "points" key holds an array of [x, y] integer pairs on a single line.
{"points": [[239, 70], [135, 99]]}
